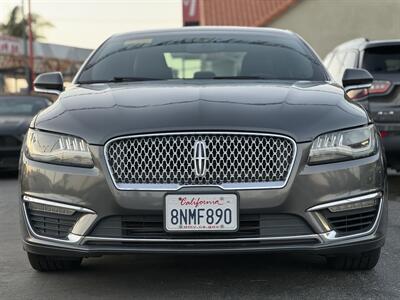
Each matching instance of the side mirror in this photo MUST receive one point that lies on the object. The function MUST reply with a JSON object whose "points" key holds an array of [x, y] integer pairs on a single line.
{"points": [[49, 83], [355, 79]]}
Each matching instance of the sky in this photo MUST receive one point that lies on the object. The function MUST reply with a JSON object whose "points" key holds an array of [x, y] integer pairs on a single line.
{"points": [[87, 23]]}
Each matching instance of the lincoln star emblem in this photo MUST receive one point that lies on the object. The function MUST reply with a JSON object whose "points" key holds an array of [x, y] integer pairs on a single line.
{"points": [[200, 158]]}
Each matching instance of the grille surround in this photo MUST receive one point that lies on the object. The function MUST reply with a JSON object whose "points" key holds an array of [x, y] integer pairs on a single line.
{"points": [[193, 137]]}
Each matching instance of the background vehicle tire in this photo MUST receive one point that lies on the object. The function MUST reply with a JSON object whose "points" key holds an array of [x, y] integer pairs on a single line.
{"points": [[360, 261], [49, 263]]}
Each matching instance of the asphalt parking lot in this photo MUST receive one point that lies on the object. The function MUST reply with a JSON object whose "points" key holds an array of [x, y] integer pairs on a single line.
{"points": [[192, 277]]}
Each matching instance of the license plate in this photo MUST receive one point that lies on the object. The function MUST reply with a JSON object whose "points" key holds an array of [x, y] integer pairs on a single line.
{"points": [[200, 212]]}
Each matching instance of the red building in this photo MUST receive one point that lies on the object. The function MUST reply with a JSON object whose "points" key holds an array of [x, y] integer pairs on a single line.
{"points": [[233, 12]]}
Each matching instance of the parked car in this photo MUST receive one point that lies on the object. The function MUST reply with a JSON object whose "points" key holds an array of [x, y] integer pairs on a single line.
{"points": [[203, 140], [382, 99], [16, 112]]}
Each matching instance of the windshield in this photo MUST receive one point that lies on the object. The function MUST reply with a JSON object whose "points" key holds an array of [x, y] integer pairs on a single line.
{"points": [[384, 59], [266, 56], [21, 107]]}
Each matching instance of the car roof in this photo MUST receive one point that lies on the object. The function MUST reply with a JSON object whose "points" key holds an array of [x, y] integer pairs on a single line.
{"points": [[211, 29], [379, 43], [364, 43]]}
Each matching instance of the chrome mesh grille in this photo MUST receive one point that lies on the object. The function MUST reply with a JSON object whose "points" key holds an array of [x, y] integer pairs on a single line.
{"points": [[231, 158]]}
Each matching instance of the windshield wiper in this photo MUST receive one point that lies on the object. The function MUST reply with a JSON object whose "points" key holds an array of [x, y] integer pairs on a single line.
{"points": [[241, 77], [124, 79], [120, 79]]}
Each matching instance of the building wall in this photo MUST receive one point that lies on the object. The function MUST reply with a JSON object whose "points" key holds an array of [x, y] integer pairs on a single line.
{"points": [[327, 23]]}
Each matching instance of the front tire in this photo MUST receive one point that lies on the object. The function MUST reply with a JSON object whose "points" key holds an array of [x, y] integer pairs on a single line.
{"points": [[357, 261], [43, 263]]}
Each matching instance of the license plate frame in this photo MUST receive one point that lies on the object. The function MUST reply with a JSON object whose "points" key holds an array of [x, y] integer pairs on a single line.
{"points": [[226, 196]]}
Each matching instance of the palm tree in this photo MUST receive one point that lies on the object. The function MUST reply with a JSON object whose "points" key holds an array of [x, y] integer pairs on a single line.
{"points": [[16, 25]]}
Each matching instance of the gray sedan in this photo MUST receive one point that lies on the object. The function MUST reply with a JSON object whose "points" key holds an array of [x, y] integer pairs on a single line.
{"points": [[203, 140]]}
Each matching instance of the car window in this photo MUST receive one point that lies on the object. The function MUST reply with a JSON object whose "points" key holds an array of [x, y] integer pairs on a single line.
{"points": [[203, 57], [382, 59], [23, 107], [203, 64]]}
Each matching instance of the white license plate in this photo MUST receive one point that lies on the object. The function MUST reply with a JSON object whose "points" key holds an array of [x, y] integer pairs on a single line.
{"points": [[199, 212]]}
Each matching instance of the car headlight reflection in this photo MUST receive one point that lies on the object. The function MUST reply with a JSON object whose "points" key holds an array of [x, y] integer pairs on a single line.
{"points": [[344, 145], [58, 149]]}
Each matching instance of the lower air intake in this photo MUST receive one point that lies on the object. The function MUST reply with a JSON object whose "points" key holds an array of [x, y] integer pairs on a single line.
{"points": [[50, 224], [352, 221], [152, 227]]}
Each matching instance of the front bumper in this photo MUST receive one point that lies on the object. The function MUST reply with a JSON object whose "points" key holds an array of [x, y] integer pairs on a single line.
{"points": [[328, 242], [350, 247], [307, 187]]}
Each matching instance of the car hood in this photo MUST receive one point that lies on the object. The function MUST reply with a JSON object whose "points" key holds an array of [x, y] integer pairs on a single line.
{"points": [[301, 110], [14, 125]]}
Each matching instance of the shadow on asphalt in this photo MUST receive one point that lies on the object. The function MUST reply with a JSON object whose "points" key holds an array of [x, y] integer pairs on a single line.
{"points": [[203, 264], [217, 276]]}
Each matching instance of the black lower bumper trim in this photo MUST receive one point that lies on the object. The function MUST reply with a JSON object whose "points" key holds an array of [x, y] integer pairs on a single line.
{"points": [[99, 250]]}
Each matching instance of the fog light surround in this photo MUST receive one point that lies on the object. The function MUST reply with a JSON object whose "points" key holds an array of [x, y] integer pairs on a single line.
{"points": [[59, 215], [348, 218], [349, 204], [51, 209], [353, 205]]}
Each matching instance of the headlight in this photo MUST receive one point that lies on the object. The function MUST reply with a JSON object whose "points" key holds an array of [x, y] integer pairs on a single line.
{"points": [[58, 149], [343, 145]]}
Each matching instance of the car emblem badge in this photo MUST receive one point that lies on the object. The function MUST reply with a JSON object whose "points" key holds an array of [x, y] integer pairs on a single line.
{"points": [[200, 158]]}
